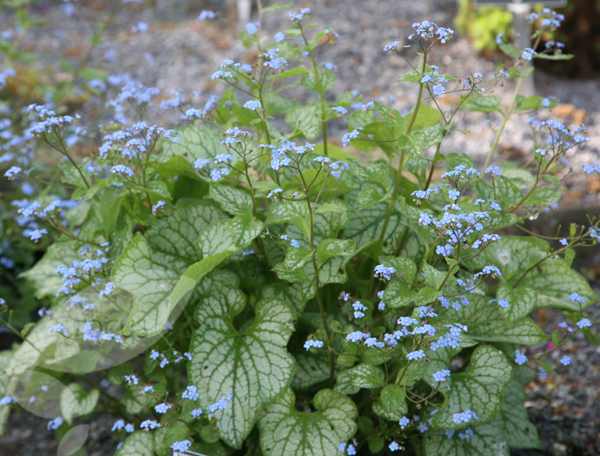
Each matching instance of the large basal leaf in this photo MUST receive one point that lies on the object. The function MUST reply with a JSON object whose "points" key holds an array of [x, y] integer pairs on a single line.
{"points": [[173, 239], [139, 443], [233, 200], [479, 389], [487, 440], [554, 282], [366, 225], [284, 431], [521, 301], [523, 331], [253, 365], [75, 401], [43, 275], [518, 430], [334, 247], [514, 255], [150, 283], [311, 368], [351, 380], [195, 142]]}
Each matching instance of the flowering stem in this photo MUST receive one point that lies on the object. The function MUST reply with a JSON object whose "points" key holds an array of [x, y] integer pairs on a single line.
{"points": [[320, 87], [316, 268], [403, 156]]}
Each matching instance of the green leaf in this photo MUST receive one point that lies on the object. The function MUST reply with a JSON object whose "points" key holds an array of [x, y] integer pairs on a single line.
{"points": [[487, 103], [393, 399], [195, 273], [479, 389], [286, 431], [426, 296], [366, 225], [311, 369], [173, 239], [150, 283], [521, 300], [421, 140], [217, 238], [391, 118], [75, 401], [351, 380], [296, 258], [554, 282], [519, 431], [486, 440], [523, 331], [544, 196], [514, 255], [334, 247], [433, 276], [304, 121], [137, 444], [372, 172], [246, 228], [327, 78], [532, 102], [426, 117], [293, 72], [198, 141], [398, 294], [43, 275], [510, 49], [253, 364], [366, 198], [232, 200]]}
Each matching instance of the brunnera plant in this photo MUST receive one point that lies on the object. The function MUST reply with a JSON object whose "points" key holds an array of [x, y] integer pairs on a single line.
{"points": [[240, 285]]}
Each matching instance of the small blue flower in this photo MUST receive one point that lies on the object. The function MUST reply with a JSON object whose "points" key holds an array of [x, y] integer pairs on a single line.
{"points": [[394, 447], [520, 358], [313, 343], [279, 37], [294, 243], [191, 393], [162, 408], [340, 110], [252, 27], [438, 89], [445, 250], [184, 445], [416, 355], [464, 417], [196, 412], [207, 14], [253, 105], [566, 360], [528, 53], [576, 297], [440, 376], [564, 242], [584, 323], [404, 421]]}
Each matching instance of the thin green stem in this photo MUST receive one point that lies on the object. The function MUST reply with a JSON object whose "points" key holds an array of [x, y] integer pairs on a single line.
{"points": [[321, 92], [398, 178]]}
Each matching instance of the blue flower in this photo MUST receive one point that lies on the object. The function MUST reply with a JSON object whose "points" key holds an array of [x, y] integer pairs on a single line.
{"points": [[566, 360], [221, 404], [122, 170], [576, 297], [520, 358], [404, 421], [207, 14], [564, 242], [584, 323], [394, 447], [416, 355], [350, 136], [252, 27], [184, 445], [162, 408], [294, 243], [253, 105], [438, 89], [279, 37], [528, 53], [340, 110], [191, 393], [440, 376], [196, 412], [391, 46], [385, 272], [313, 343], [464, 417], [149, 424]]}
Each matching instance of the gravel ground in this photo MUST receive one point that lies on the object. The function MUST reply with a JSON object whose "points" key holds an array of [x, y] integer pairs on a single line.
{"points": [[179, 52]]}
